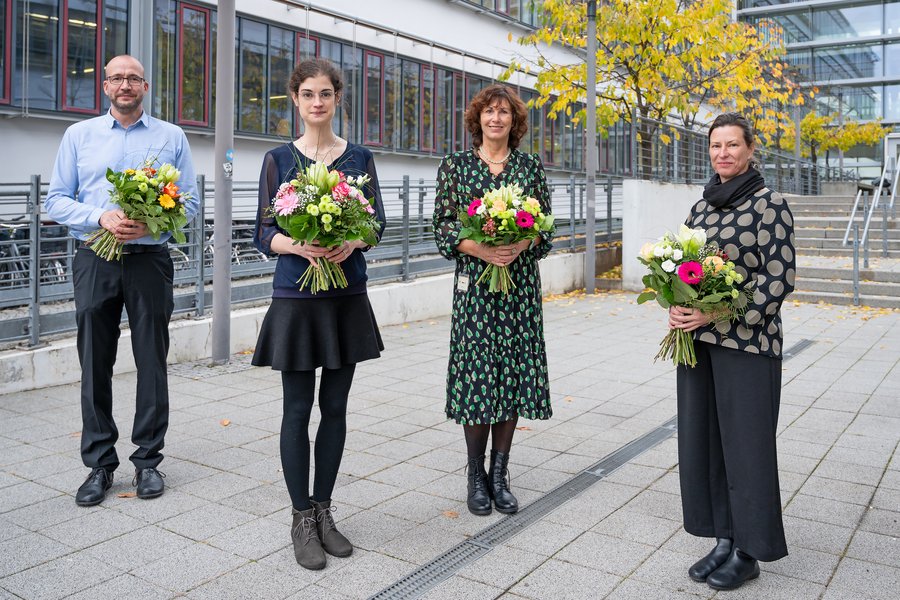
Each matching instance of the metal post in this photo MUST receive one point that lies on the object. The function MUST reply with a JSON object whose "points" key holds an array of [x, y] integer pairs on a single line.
{"points": [[590, 252], [884, 233], [405, 239], [797, 171], [34, 252], [572, 193], [865, 241], [421, 236], [856, 265], [609, 193], [199, 245], [224, 156]]}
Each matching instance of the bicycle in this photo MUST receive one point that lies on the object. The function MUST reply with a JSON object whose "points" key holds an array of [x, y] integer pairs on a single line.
{"points": [[15, 259]]}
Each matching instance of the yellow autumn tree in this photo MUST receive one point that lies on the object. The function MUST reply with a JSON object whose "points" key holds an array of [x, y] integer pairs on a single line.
{"points": [[819, 133], [659, 58]]}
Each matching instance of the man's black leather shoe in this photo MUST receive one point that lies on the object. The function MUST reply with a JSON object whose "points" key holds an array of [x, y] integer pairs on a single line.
{"points": [[739, 567], [94, 488], [149, 483], [701, 569]]}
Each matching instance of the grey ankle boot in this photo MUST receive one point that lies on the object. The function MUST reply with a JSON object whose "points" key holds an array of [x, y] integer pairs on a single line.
{"points": [[333, 541], [307, 547]]}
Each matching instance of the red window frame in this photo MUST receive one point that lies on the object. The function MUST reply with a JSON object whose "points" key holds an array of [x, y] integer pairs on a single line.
{"points": [[422, 128], [64, 63], [365, 111], [298, 56], [7, 51], [459, 136], [180, 70]]}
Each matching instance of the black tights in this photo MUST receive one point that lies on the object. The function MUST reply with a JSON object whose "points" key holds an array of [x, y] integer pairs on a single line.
{"points": [[299, 394], [501, 435]]}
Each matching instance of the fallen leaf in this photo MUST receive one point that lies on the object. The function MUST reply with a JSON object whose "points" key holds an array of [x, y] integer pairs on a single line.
{"points": [[523, 428], [126, 494], [567, 399], [75, 434], [225, 422], [451, 514]]}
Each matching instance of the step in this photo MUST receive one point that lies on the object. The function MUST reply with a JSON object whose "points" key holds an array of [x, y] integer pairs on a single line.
{"points": [[827, 273], [893, 233], [841, 286], [844, 251], [841, 223], [846, 299], [835, 242]]}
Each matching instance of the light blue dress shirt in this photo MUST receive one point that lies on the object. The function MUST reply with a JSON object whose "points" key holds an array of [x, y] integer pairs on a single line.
{"points": [[79, 191]]}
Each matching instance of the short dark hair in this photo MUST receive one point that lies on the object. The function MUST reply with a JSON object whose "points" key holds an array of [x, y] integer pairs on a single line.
{"points": [[737, 120], [483, 99], [313, 68]]}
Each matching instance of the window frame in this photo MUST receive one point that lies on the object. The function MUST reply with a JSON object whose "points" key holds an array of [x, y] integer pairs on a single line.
{"points": [[301, 35], [179, 50], [422, 146], [365, 98], [6, 82], [64, 62]]}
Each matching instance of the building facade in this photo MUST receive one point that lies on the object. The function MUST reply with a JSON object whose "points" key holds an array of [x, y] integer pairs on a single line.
{"points": [[850, 51], [410, 68]]}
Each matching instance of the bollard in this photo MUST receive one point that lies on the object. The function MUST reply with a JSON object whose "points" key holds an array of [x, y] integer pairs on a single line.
{"points": [[609, 192], [572, 211], [405, 198], [856, 265], [34, 263], [199, 245]]}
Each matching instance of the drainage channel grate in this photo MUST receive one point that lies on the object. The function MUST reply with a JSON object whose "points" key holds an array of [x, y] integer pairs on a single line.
{"points": [[444, 566], [431, 574]]}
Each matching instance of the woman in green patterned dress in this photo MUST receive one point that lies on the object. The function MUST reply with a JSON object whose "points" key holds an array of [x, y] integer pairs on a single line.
{"points": [[498, 361]]}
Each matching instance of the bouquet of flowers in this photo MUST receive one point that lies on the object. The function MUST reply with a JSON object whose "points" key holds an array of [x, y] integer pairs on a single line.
{"points": [[327, 206], [687, 271], [148, 195], [503, 216]]}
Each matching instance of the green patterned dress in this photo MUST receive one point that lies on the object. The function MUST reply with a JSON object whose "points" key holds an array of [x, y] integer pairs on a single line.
{"points": [[498, 360]]}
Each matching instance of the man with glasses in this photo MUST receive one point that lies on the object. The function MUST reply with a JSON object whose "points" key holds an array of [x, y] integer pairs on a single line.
{"points": [[124, 138]]}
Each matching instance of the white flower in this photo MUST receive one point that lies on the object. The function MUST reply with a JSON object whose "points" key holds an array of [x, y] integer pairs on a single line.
{"points": [[668, 266], [677, 254], [481, 209], [659, 251], [669, 251]]}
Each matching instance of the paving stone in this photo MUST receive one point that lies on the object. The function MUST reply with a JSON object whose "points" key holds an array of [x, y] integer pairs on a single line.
{"points": [[815, 535], [28, 550], [825, 510], [417, 506], [366, 494], [253, 579], [407, 476], [503, 567], [369, 530], [875, 548], [59, 578], [172, 503], [363, 464], [188, 568], [254, 539], [886, 499], [565, 581], [24, 494], [873, 580], [366, 573], [631, 589], [92, 528], [544, 538], [628, 525], [136, 548], [885, 522], [608, 554], [218, 486], [635, 475], [420, 544], [843, 491], [206, 521], [123, 586], [803, 563]]}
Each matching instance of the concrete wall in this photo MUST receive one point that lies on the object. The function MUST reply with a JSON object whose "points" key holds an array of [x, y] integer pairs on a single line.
{"points": [[191, 339], [649, 209]]}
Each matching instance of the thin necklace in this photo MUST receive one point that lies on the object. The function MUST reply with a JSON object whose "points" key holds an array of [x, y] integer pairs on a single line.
{"points": [[482, 154], [316, 155]]}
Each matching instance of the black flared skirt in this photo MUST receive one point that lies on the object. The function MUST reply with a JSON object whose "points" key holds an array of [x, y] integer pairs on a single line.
{"points": [[302, 334]]}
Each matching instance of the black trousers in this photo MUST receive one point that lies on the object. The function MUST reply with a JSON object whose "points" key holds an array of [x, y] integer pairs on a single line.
{"points": [[727, 415], [142, 284]]}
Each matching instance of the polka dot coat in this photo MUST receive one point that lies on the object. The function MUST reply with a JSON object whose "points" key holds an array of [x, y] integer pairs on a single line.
{"points": [[498, 359], [758, 235]]}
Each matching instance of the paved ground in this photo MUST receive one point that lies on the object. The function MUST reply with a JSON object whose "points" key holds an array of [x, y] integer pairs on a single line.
{"points": [[222, 528]]}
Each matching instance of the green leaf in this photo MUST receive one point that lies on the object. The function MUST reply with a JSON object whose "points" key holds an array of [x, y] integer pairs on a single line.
{"points": [[645, 296]]}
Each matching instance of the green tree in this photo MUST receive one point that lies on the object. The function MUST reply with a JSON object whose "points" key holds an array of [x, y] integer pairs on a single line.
{"points": [[660, 58], [819, 133]]}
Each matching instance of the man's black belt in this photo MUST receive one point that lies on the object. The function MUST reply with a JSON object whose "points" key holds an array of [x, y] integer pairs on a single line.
{"points": [[139, 248]]}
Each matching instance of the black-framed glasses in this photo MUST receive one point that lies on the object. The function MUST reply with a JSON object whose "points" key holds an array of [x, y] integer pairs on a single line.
{"points": [[118, 80]]}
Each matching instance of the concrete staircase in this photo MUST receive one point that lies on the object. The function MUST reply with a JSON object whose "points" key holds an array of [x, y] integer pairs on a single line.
{"points": [[825, 266]]}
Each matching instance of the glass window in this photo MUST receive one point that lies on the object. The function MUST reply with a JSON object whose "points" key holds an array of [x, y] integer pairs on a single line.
{"points": [[892, 59], [802, 63], [550, 141], [861, 103], [115, 29], [163, 76], [193, 57], [892, 18], [849, 22], [537, 129], [792, 27], [460, 135], [849, 62], [307, 47], [41, 53], [428, 85], [281, 54], [409, 138], [374, 99], [892, 102], [81, 80], [392, 78], [252, 76], [5, 33], [444, 112], [351, 126]]}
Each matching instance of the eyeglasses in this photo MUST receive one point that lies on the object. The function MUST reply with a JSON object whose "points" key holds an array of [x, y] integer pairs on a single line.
{"points": [[118, 80], [324, 95]]}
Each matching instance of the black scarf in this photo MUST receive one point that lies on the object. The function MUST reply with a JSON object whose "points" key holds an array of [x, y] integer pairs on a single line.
{"points": [[734, 191]]}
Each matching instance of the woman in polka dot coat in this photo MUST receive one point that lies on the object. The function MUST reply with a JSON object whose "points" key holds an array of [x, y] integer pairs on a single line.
{"points": [[498, 362], [728, 404]]}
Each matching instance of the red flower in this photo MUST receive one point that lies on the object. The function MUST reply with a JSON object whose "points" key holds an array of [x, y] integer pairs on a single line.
{"points": [[473, 206], [524, 219], [691, 272]]}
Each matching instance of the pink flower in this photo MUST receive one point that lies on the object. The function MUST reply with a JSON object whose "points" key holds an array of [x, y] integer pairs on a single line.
{"points": [[341, 191], [283, 189], [367, 205], [490, 227], [691, 272], [524, 219], [473, 206], [286, 201]]}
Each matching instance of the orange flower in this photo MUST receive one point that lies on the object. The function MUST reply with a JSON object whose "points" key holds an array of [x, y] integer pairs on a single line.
{"points": [[171, 189], [166, 201]]}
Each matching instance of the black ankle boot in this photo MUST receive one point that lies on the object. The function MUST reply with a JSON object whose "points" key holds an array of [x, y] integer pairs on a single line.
{"points": [[479, 502], [739, 567], [498, 484], [701, 569]]}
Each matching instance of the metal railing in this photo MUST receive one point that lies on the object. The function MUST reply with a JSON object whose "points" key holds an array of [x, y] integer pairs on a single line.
{"points": [[36, 297]]}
